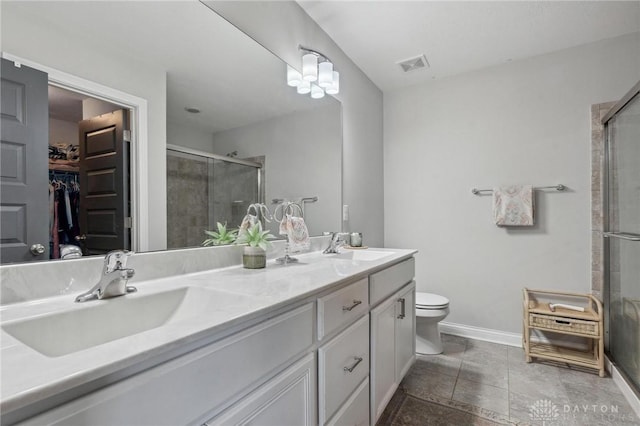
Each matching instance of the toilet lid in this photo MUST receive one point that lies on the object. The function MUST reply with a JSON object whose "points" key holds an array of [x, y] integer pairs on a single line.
{"points": [[431, 301]]}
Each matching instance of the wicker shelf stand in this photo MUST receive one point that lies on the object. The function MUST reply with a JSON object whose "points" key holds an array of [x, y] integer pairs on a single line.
{"points": [[537, 315]]}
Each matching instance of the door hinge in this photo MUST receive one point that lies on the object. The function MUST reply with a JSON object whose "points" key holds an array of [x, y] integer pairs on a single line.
{"points": [[128, 222], [126, 135]]}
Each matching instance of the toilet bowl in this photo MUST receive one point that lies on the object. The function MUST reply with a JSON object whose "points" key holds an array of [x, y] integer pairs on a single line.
{"points": [[430, 310]]}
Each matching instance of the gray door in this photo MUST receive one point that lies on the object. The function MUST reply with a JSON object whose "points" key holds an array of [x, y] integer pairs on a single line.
{"points": [[104, 183], [24, 134]]}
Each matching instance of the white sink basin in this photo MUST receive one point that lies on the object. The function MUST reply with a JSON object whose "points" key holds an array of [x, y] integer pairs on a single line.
{"points": [[364, 255], [98, 322]]}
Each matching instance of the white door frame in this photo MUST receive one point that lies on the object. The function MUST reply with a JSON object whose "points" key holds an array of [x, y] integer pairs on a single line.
{"points": [[139, 140]]}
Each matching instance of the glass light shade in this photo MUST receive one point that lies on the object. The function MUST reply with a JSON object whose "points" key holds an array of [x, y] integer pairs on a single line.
{"points": [[304, 87], [325, 74], [309, 67], [334, 89], [317, 92], [294, 78]]}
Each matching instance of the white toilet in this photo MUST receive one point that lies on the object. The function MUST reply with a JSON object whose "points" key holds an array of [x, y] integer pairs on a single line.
{"points": [[430, 310]]}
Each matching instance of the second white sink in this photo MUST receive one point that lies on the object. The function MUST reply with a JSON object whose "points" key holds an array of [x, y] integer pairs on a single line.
{"points": [[103, 321], [365, 254]]}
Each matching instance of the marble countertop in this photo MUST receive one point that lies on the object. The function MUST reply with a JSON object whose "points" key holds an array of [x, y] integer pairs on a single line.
{"points": [[29, 377]]}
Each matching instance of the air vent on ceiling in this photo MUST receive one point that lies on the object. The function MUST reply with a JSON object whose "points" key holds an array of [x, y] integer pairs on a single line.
{"points": [[413, 64]]}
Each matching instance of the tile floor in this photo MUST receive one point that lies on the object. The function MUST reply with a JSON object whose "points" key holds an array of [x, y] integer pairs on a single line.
{"points": [[476, 382]]}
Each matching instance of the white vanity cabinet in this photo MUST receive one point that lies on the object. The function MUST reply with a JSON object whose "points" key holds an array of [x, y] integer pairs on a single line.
{"points": [[193, 388], [326, 358], [392, 332], [343, 360]]}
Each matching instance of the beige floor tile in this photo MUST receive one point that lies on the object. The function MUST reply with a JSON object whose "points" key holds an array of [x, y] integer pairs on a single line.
{"points": [[482, 395], [426, 382], [494, 373], [439, 364]]}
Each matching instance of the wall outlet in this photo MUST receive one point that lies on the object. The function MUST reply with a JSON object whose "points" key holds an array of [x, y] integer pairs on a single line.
{"points": [[345, 212]]}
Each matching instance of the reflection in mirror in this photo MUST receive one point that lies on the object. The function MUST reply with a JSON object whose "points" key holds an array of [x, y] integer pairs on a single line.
{"points": [[239, 88], [205, 189]]}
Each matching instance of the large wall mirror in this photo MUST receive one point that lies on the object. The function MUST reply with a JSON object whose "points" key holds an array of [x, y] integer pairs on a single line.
{"points": [[235, 132]]}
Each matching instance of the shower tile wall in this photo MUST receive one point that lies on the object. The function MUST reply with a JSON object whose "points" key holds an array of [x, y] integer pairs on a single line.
{"points": [[233, 188], [598, 112], [187, 201]]}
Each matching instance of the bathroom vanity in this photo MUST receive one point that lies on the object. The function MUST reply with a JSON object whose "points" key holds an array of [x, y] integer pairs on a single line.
{"points": [[324, 341]]}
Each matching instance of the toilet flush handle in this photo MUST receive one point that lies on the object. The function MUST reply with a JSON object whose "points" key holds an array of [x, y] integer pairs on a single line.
{"points": [[402, 308]]}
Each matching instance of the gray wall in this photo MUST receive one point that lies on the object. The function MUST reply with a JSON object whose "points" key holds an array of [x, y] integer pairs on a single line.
{"points": [[302, 152], [281, 26], [525, 122], [35, 41], [61, 131]]}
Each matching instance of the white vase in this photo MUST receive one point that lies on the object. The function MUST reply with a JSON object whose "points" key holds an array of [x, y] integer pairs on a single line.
{"points": [[254, 257]]}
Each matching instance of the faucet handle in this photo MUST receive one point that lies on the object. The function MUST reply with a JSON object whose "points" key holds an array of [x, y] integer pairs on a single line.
{"points": [[116, 259]]}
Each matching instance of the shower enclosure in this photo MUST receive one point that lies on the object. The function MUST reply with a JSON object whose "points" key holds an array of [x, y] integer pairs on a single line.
{"points": [[622, 242], [203, 189]]}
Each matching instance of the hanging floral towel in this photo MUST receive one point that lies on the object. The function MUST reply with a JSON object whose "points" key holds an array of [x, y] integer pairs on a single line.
{"points": [[296, 231], [513, 205]]}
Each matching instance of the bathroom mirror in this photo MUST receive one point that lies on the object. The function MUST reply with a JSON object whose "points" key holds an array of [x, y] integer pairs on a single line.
{"points": [[246, 108]]}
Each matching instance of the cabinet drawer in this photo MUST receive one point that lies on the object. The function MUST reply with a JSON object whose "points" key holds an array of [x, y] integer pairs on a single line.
{"points": [[388, 281], [343, 364], [287, 399], [356, 410], [196, 386], [342, 307]]}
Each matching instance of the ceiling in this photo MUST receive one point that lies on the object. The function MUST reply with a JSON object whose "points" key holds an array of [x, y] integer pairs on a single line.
{"points": [[458, 37]]}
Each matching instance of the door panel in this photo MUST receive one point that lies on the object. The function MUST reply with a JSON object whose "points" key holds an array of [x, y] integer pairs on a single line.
{"points": [[104, 182], [383, 361], [405, 331], [24, 133], [623, 243]]}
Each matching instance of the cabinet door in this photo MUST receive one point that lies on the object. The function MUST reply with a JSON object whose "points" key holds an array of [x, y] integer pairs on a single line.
{"points": [[287, 399], [383, 375], [405, 331]]}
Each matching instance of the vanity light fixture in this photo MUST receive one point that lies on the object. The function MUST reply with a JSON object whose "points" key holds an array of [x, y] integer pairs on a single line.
{"points": [[318, 75]]}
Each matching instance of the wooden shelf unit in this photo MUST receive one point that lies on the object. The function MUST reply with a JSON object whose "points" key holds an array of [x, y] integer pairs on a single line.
{"points": [[589, 324]]}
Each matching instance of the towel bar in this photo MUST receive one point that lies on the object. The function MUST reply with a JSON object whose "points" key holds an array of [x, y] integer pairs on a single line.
{"points": [[559, 187]]}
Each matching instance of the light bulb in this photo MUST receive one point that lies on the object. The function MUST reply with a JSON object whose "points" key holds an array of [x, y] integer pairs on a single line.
{"points": [[294, 78], [304, 87], [325, 74], [317, 92], [310, 67], [334, 89]]}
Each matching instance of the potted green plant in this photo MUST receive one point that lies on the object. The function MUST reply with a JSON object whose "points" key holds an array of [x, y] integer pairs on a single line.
{"points": [[222, 237], [257, 242]]}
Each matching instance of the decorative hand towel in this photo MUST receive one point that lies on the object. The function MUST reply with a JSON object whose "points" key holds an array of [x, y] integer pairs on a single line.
{"points": [[249, 219], [296, 231], [513, 205]]}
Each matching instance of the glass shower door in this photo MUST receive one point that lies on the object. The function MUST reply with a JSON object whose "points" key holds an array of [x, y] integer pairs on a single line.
{"points": [[623, 140]]}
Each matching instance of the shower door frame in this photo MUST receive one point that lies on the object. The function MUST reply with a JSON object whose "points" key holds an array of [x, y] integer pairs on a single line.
{"points": [[209, 155], [606, 290]]}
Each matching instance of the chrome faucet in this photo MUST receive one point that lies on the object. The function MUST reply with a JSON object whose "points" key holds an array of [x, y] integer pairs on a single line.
{"points": [[113, 281], [338, 239]]}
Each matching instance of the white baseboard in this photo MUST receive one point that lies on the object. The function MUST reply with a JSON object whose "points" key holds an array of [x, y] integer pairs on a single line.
{"points": [[478, 333], [505, 337], [622, 384], [515, 339]]}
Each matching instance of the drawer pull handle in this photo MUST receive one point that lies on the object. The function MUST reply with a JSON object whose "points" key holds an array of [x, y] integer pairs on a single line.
{"points": [[353, 367], [350, 308], [563, 322], [402, 308]]}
